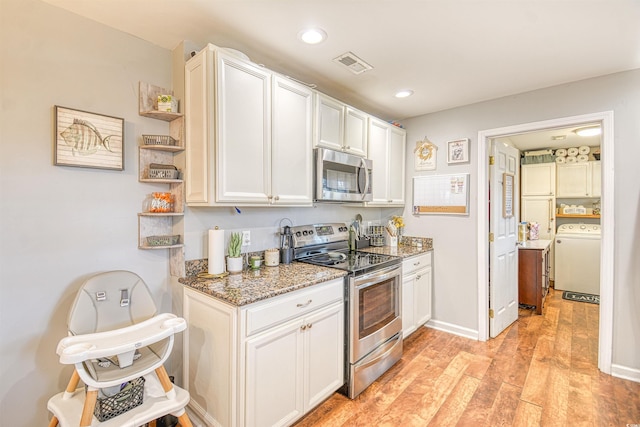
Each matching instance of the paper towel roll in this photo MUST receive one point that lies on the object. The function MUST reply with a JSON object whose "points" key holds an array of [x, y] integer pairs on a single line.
{"points": [[216, 251]]}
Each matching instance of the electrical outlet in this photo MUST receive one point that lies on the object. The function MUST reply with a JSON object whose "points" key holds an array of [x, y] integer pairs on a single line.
{"points": [[246, 238]]}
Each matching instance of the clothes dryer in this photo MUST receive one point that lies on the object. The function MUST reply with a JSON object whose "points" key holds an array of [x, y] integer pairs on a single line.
{"points": [[577, 258]]}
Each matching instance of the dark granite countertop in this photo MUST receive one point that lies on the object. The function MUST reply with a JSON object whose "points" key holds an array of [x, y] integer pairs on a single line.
{"points": [[267, 282]]}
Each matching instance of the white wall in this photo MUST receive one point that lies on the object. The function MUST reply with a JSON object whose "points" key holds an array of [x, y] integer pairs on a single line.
{"points": [[60, 224], [455, 238]]}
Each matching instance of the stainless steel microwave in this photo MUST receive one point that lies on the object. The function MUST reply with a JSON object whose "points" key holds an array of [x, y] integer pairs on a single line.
{"points": [[342, 177]]}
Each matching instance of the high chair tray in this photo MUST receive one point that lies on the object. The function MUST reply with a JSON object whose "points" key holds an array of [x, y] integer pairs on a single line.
{"points": [[69, 411]]}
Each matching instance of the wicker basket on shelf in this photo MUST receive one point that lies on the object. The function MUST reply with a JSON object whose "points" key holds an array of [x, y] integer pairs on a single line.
{"points": [[158, 140], [160, 171], [163, 240]]}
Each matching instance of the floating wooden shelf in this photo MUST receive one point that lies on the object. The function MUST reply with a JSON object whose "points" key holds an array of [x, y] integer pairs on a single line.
{"points": [[577, 216]]}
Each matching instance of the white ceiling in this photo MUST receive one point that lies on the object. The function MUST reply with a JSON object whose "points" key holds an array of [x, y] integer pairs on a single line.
{"points": [[545, 139], [449, 52]]}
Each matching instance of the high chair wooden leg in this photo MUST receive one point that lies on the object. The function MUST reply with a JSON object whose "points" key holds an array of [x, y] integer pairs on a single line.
{"points": [[89, 405], [168, 387], [73, 382], [184, 420], [53, 422], [164, 379]]}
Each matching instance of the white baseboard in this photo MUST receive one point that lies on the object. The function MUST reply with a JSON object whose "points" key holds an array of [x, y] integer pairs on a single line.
{"points": [[625, 373], [452, 329]]}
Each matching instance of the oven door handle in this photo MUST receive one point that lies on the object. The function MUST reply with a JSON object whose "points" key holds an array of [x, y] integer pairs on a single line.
{"points": [[386, 350], [366, 178], [376, 277]]}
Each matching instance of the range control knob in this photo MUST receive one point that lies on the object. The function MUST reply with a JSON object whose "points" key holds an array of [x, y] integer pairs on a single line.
{"points": [[305, 232], [298, 234], [310, 232]]}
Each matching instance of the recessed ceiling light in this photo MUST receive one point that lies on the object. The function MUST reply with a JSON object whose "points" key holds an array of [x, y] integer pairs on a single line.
{"points": [[404, 93], [589, 131], [312, 35]]}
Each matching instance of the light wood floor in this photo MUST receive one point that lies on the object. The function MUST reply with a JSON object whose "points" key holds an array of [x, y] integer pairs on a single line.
{"points": [[541, 371]]}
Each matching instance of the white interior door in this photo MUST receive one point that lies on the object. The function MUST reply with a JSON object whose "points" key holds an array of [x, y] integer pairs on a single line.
{"points": [[503, 250]]}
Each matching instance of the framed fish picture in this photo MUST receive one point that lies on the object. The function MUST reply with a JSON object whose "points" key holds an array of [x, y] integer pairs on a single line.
{"points": [[88, 140]]}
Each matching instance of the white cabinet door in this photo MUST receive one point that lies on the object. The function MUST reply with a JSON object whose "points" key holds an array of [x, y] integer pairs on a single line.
{"points": [[574, 180], [274, 376], [378, 148], [387, 145], [540, 209], [243, 131], [330, 123], [198, 144], [422, 293], [355, 132], [397, 143], [596, 179], [408, 305], [538, 179], [323, 354], [292, 145]]}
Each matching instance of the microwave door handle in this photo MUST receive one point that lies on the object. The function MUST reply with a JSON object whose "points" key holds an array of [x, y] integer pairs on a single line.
{"points": [[366, 178]]}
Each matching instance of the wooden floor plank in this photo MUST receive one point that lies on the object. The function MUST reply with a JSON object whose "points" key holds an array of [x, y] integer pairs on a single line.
{"points": [[541, 371]]}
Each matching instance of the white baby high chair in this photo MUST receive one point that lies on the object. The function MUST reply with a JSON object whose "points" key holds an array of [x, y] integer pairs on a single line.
{"points": [[115, 337]]}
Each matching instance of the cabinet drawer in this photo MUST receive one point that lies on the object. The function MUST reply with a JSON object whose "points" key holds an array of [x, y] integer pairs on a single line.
{"points": [[298, 303], [416, 263]]}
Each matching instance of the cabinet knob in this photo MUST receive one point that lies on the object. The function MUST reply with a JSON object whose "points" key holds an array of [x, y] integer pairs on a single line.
{"points": [[303, 327], [348, 147], [309, 325], [277, 198], [418, 277], [416, 264]]}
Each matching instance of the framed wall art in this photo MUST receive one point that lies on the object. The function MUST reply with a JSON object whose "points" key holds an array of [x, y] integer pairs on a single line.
{"points": [[425, 155], [88, 140], [458, 151], [507, 195]]}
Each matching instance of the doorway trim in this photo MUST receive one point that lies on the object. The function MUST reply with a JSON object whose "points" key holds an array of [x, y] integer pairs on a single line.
{"points": [[605, 338]]}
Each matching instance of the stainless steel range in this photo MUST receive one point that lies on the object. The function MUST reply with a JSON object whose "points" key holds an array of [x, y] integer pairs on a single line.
{"points": [[372, 298]]}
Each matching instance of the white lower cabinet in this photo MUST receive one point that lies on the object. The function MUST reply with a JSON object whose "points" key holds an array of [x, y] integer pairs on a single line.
{"points": [[267, 363], [417, 282]]}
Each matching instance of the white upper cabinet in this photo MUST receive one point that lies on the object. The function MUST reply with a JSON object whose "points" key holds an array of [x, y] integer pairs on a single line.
{"points": [[355, 132], [340, 127], [577, 180], [291, 148], [243, 131], [245, 128], [387, 152], [538, 179]]}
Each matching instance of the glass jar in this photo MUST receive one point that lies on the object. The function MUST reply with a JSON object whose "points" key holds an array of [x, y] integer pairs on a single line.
{"points": [[161, 203]]}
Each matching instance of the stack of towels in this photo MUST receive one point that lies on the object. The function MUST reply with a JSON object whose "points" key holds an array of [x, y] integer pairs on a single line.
{"points": [[573, 154]]}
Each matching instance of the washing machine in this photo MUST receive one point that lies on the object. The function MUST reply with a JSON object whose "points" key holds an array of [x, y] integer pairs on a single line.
{"points": [[577, 258]]}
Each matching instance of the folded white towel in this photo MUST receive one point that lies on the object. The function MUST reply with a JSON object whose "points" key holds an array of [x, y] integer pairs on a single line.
{"points": [[572, 159], [573, 151], [583, 149], [582, 158], [561, 152], [561, 159]]}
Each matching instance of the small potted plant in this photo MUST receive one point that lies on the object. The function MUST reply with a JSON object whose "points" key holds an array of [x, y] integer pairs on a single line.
{"points": [[234, 260]]}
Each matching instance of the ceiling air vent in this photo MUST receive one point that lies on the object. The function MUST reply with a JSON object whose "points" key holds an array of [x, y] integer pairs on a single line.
{"points": [[353, 63]]}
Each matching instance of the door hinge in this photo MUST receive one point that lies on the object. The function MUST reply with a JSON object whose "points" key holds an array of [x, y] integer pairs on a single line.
{"points": [[490, 237], [492, 161], [491, 313]]}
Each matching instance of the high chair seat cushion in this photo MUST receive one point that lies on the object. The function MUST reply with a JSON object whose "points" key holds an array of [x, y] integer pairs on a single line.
{"points": [[110, 300]]}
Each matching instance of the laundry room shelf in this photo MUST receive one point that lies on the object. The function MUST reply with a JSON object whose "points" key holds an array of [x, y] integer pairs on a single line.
{"points": [[576, 216]]}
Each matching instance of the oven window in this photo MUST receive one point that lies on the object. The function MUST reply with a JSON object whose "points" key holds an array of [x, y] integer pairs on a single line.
{"points": [[378, 306]]}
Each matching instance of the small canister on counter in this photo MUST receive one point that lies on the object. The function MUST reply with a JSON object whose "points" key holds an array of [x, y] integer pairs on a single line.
{"points": [[522, 232], [534, 231], [271, 257]]}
